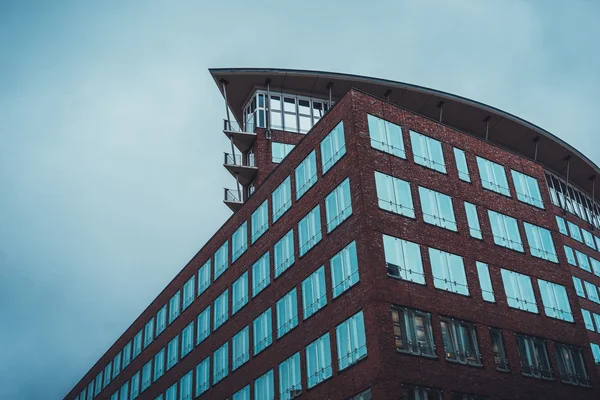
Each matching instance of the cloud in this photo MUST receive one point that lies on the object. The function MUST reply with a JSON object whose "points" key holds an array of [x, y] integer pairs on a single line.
{"points": [[110, 135]]}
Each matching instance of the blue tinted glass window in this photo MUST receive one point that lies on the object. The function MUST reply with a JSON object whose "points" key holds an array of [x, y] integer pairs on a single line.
{"points": [[427, 152], [338, 205], [394, 194], [313, 293], [309, 230], [333, 147], [386, 136], [493, 176]]}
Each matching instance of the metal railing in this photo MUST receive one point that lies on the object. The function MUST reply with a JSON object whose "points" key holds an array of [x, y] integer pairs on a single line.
{"points": [[232, 126], [233, 195], [238, 159]]}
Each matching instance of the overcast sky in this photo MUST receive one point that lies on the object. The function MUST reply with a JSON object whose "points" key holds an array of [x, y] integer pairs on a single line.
{"points": [[110, 141]]}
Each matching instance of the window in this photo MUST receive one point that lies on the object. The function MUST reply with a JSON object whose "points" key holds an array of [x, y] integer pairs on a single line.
{"points": [[107, 375], [427, 152], [338, 205], [262, 331], [351, 341], [448, 272], [221, 259], [437, 209], [555, 300], [413, 333], [473, 220], [366, 395], [465, 396], [306, 174], [171, 393], [203, 329], [204, 277], [221, 307], [393, 194], [527, 189], [260, 220], [595, 352], [540, 242], [592, 292], [571, 365], [148, 332], [574, 231], [597, 320], [493, 176], [203, 376], [460, 341], [309, 230], [279, 151], [487, 290], [159, 364], [313, 293], [116, 367], [187, 339], [161, 320], [239, 242], [587, 319], [534, 357], [174, 306], [242, 394], [421, 393], [318, 361], [137, 344], [124, 391], [189, 292], [570, 255], [595, 266], [261, 274], [344, 270], [221, 363], [239, 293], [597, 240], [90, 390], [562, 227], [386, 136], [114, 396], [264, 387], [281, 199], [283, 253], [588, 239], [519, 291], [461, 165], [500, 358], [240, 348], [333, 147], [135, 385], [505, 230], [185, 387], [290, 384], [126, 355], [584, 261], [403, 259], [578, 287], [173, 352], [146, 375], [287, 313]]}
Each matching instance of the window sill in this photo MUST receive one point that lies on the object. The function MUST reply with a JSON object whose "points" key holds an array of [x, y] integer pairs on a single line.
{"points": [[354, 364], [504, 371], [538, 377], [408, 353], [406, 280], [465, 364]]}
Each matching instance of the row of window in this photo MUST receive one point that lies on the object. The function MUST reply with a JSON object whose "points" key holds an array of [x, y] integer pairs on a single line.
{"points": [[350, 344], [404, 261], [387, 137], [338, 207], [590, 290], [395, 195], [568, 197], [414, 335], [581, 235], [344, 274]]}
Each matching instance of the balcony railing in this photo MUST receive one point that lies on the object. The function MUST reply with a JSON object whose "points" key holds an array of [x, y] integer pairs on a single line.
{"points": [[232, 126], [233, 196], [239, 160]]}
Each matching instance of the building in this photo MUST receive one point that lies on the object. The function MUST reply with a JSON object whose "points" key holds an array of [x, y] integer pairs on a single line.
{"points": [[388, 241]]}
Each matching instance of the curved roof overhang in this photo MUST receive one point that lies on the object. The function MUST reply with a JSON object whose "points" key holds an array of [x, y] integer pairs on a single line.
{"points": [[469, 116]]}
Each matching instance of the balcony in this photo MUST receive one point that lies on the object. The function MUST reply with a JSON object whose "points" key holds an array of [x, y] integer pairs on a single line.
{"points": [[242, 140], [233, 198], [241, 167]]}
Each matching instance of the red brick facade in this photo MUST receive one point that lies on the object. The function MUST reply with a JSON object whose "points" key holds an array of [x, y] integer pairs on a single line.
{"points": [[384, 370]]}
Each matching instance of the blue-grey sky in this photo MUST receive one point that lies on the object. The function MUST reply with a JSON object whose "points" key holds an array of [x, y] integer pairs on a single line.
{"points": [[110, 141]]}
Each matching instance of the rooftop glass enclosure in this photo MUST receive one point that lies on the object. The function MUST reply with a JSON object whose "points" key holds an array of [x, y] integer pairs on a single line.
{"points": [[289, 112]]}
